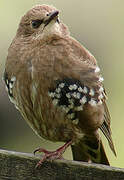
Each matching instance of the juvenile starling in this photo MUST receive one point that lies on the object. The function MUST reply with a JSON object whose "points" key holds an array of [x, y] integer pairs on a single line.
{"points": [[57, 86]]}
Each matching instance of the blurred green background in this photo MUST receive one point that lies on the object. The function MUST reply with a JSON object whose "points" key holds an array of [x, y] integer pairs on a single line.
{"points": [[99, 25]]}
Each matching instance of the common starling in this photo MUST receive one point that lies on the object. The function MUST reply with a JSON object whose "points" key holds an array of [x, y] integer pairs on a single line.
{"points": [[57, 86]]}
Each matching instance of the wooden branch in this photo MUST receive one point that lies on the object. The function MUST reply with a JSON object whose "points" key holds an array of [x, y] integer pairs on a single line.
{"points": [[21, 166]]}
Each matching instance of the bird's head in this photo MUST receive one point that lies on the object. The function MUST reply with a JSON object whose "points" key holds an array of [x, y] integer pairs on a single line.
{"points": [[41, 21]]}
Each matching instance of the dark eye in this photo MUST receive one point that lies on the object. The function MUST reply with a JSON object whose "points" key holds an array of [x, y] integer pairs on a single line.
{"points": [[36, 23]]}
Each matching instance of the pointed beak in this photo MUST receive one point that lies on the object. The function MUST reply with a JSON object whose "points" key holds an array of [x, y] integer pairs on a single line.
{"points": [[51, 16]]}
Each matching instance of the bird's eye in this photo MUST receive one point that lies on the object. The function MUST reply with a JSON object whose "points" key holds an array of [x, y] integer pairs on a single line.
{"points": [[36, 23]]}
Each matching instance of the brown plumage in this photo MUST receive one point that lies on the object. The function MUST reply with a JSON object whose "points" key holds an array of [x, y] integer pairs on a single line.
{"points": [[56, 85]]}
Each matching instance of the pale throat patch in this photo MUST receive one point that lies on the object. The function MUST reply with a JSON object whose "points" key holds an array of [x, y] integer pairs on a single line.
{"points": [[52, 28]]}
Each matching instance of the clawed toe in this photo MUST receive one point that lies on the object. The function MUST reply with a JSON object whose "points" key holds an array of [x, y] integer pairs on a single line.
{"points": [[52, 155]]}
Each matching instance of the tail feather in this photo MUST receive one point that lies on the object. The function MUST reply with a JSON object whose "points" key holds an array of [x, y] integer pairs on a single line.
{"points": [[104, 159], [90, 150]]}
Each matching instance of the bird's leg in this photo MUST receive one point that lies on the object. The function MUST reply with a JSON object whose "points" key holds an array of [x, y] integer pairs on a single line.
{"points": [[52, 154]]}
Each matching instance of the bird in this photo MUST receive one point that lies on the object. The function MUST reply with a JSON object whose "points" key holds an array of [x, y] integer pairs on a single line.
{"points": [[57, 86]]}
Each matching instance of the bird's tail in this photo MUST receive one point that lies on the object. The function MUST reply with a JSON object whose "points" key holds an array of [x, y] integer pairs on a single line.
{"points": [[90, 149]]}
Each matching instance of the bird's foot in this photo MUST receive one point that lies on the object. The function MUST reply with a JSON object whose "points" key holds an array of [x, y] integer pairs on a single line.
{"points": [[52, 155]]}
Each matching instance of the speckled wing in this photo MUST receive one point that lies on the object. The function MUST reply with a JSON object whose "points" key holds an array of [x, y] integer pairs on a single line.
{"points": [[9, 85], [81, 94], [79, 85]]}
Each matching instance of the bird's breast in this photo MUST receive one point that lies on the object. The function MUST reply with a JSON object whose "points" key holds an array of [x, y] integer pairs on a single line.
{"points": [[44, 118]]}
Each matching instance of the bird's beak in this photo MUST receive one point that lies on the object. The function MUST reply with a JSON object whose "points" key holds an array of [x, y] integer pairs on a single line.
{"points": [[50, 17]]}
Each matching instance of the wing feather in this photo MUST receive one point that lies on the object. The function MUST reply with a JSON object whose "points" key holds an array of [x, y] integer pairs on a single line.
{"points": [[105, 128]]}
